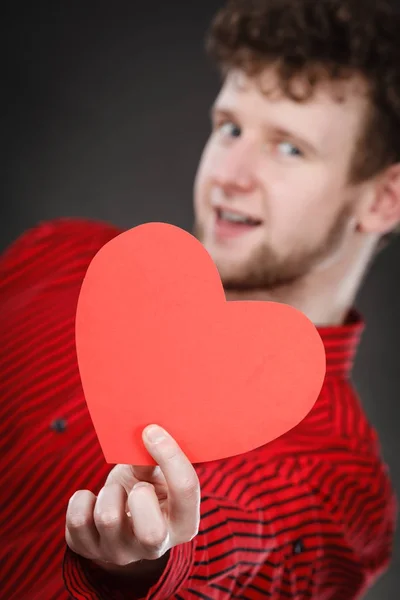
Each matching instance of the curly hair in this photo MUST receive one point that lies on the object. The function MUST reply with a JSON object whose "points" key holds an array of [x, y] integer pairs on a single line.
{"points": [[317, 40]]}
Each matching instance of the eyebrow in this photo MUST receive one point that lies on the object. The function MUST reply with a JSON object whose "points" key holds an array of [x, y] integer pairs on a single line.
{"points": [[276, 131], [215, 109]]}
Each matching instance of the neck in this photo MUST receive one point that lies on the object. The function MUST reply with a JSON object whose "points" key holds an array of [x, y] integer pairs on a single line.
{"points": [[326, 294]]}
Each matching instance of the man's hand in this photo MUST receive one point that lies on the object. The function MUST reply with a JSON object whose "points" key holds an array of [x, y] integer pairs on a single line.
{"points": [[141, 512]]}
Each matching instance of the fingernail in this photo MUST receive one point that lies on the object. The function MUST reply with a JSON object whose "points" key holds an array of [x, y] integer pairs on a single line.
{"points": [[155, 434]]}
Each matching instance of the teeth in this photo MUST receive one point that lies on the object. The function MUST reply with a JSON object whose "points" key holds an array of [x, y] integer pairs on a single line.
{"points": [[234, 217]]}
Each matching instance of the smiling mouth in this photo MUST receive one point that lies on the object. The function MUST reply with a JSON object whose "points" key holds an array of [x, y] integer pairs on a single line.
{"points": [[230, 224], [236, 218]]}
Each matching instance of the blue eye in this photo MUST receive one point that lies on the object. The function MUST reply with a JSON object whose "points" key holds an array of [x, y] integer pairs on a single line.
{"points": [[230, 129], [289, 149]]}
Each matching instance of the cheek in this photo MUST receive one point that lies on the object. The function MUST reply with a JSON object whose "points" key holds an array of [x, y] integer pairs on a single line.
{"points": [[299, 202], [198, 190], [202, 180]]}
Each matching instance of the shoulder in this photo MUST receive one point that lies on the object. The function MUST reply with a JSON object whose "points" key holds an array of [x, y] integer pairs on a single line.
{"points": [[56, 231], [51, 248]]}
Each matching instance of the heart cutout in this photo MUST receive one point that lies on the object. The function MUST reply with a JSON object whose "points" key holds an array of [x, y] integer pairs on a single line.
{"points": [[157, 342]]}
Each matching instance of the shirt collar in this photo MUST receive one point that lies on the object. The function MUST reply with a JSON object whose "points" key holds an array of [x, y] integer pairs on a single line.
{"points": [[341, 343]]}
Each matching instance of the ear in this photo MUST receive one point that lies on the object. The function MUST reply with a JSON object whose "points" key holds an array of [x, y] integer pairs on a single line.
{"points": [[382, 215]]}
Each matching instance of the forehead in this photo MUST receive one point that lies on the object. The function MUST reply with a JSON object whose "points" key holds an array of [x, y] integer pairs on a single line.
{"points": [[334, 113]]}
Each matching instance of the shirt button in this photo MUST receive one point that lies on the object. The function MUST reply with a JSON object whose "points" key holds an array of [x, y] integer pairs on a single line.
{"points": [[298, 547], [59, 425]]}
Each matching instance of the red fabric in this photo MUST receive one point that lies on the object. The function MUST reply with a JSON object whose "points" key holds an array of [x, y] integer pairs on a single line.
{"points": [[310, 515], [40, 278]]}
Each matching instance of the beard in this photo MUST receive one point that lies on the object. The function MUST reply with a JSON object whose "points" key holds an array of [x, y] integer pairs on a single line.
{"points": [[266, 269]]}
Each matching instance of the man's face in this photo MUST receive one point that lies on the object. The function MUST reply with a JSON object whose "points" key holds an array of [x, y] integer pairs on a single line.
{"points": [[272, 199]]}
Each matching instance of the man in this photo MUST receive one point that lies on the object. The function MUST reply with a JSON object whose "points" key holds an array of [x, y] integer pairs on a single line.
{"points": [[298, 186]]}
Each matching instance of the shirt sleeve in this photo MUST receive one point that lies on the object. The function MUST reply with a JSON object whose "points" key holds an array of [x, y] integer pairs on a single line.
{"points": [[317, 527]]}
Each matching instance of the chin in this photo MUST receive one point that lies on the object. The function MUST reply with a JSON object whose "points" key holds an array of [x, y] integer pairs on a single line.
{"points": [[229, 267]]}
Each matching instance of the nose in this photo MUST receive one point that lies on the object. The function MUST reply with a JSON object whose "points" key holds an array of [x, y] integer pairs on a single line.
{"points": [[234, 169]]}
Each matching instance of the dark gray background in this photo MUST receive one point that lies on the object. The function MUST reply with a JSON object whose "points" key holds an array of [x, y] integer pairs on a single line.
{"points": [[104, 115]]}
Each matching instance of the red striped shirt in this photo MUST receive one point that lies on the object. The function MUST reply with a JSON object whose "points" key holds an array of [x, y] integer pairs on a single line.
{"points": [[311, 515]]}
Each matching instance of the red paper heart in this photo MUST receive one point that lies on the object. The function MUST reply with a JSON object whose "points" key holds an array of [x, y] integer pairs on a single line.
{"points": [[158, 343]]}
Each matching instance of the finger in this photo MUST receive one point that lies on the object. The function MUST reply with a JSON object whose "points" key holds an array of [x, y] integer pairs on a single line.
{"points": [[113, 525], [123, 475], [149, 524], [128, 476], [182, 481], [152, 475], [80, 531]]}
